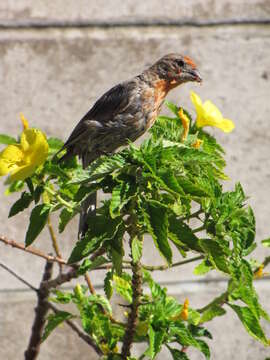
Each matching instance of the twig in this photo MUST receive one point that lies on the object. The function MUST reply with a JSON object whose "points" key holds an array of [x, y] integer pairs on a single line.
{"points": [[32, 250], [179, 263], [79, 332], [40, 318], [72, 325], [54, 242], [18, 277], [89, 283]]}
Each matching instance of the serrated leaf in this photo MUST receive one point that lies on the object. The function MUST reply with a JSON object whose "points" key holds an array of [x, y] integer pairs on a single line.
{"points": [[7, 140], [157, 225], [216, 253], [211, 312], [136, 248], [250, 322], [65, 216], [21, 204], [181, 234], [203, 268], [101, 228], [204, 348], [38, 220], [55, 320], [123, 287], [155, 342], [178, 355], [108, 284], [89, 265]]}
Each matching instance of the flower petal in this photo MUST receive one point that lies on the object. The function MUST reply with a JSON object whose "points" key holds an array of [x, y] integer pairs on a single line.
{"points": [[212, 110], [35, 146], [226, 125], [10, 157], [22, 172]]}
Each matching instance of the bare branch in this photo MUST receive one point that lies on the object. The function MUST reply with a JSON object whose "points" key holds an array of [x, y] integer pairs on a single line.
{"points": [[32, 250], [41, 311]]}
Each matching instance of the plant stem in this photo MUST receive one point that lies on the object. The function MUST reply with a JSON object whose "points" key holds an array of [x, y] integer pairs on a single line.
{"points": [[179, 263], [31, 250], [41, 311], [54, 241], [136, 269], [59, 198], [89, 284]]}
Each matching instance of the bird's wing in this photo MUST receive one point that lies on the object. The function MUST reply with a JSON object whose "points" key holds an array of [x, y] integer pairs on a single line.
{"points": [[112, 102]]}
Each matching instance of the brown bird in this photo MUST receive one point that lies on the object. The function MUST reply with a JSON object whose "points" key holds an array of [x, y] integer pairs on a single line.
{"points": [[126, 112]]}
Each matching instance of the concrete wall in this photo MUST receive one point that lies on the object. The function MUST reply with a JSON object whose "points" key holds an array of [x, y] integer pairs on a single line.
{"points": [[57, 57]]}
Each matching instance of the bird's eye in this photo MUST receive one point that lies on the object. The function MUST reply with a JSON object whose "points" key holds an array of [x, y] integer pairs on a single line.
{"points": [[180, 63]]}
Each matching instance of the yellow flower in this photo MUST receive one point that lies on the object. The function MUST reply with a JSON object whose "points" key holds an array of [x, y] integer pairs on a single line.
{"points": [[184, 312], [20, 160], [185, 122], [197, 144], [209, 115], [259, 273]]}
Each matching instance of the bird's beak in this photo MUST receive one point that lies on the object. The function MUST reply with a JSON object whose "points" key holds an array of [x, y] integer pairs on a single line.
{"points": [[195, 75]]}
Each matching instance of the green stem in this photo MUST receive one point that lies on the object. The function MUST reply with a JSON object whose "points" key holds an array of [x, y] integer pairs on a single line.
{"points": [[179, 263], [59, 198]]}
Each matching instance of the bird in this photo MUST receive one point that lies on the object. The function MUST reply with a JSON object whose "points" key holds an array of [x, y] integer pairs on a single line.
{"points": [[124, 113]]}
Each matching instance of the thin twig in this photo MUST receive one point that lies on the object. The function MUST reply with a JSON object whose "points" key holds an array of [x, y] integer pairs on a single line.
{"points": [[89, 284], [72, 325], [179, 263], [40, 318], [154, 268], [31, 250], [79, 331], [54, 242], [8, 269]]}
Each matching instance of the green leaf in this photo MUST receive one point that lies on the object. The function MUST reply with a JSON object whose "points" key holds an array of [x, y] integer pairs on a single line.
{"points": [[38, 220], [123, 287], [155, 342], [178, 355], [54, 144], [7, 140], [204, 348], [181, 234], [61, 297], [55, 320], [21, 204], [217, 254], [266, 242], [250, 322], [65, 216], [211, 312], [203, 268], [136, 248], [171, 106], [88, 265], [157, 225], [101, 228], [108, 284]]}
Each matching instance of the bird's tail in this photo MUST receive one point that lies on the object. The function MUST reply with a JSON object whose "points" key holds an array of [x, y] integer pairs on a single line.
{"points": [[88, 209]]}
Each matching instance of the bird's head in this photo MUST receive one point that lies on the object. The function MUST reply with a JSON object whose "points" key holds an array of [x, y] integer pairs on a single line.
{"points": [[176, 69]]}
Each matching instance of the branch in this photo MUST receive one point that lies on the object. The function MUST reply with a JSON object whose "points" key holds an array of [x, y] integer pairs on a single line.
{"points": [[179, 263], [136, 289], [41, 311], [54, 242], [32, 250], [79, 331], [72, 325]]}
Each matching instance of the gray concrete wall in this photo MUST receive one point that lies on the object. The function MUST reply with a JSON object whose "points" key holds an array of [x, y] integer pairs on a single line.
{"points": [[53, 67]]}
